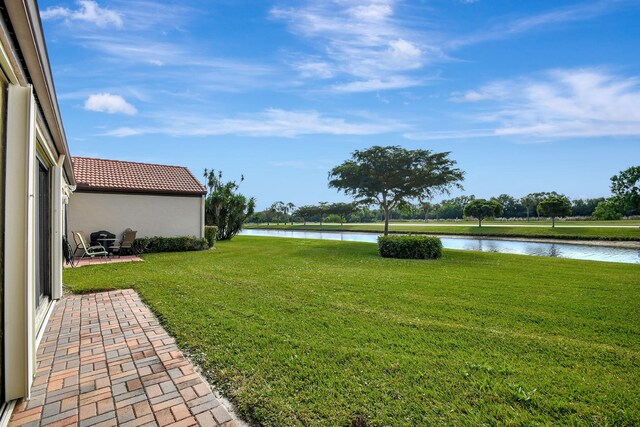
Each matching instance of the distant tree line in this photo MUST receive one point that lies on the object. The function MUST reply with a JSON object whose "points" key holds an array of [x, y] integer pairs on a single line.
{"points": [[624, 202], [519, 208], [282, 213]]}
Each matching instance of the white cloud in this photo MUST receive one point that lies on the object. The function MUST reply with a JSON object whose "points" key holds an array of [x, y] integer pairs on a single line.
{"points": [[269, 123], [493, 91], [135, 50], [584, 102], [150, 52], [311, 68], [124, 131], [404, 54], [573, 13], [393, 82], [366, 45], [173, 64], [88, 11], [108, 103], [362, 40], [564, 103], [375, 12], [55, 12]]}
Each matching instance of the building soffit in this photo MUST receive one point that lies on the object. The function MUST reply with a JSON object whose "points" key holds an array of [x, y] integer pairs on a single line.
{"points": [[27, 27]]}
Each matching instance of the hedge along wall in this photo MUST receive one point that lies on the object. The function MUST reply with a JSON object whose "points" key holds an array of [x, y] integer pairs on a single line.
{"points": [[413, 247], [170, 244]]}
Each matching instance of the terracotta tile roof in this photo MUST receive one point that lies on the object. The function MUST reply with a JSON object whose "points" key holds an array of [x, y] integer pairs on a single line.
{"points": [[131, 177]]}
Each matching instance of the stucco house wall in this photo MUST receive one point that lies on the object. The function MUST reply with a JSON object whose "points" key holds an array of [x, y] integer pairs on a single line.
{"points": [[36, 179], [150, 215]]}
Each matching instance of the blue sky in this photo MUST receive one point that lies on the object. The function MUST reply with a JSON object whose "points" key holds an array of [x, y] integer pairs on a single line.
{"points": [[527, 95]]}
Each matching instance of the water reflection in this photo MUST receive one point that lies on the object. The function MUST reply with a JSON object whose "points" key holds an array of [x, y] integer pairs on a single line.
{"points": [[560, 250]]}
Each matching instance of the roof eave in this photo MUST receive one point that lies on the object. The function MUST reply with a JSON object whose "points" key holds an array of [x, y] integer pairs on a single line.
{"points": [[140, 191], [26, 23]]}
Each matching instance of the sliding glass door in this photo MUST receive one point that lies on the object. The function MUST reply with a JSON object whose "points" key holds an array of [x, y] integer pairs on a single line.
{"points": [[3, 111], [43, 236]]}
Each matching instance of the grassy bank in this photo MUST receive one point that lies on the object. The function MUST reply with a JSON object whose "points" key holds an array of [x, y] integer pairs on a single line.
{"points": [[542, 222], [309, 332], [563, 232]]}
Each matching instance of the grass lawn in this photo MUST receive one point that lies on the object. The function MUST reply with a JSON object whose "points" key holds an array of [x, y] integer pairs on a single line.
{"points": [[468, 229], [310, 332]]}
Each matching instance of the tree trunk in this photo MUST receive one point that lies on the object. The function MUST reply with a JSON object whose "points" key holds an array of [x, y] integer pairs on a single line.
{"points": [[553, 222], [386, 221], [479, 222]]}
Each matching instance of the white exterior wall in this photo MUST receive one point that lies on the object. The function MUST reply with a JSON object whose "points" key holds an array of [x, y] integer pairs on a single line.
{"points": [[33, 130], [149, 215], [25, 138], [19, 310]]}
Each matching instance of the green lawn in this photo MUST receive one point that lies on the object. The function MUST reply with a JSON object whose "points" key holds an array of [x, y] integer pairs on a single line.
{"points": [[310, 332], [468, 229]]}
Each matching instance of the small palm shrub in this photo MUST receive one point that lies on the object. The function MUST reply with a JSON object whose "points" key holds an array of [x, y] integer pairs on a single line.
{"points": [[210, 232]]}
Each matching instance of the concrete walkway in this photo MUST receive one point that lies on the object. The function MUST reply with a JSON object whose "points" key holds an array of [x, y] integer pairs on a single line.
{"points": [[104, 360]]}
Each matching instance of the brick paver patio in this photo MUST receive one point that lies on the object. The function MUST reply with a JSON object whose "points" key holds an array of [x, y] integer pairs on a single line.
{"points": [[101, 260], [104, 360]]}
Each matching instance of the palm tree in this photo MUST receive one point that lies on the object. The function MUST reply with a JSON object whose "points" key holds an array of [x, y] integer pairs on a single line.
{"points": [[291, 208], [426, 207], [282, 211], [277, 208]]}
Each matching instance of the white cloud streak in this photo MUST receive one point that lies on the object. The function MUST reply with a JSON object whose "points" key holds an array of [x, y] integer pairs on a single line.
{"points": [[88, 11], [363, 42], [565, 103], [574, 13], [391, 82], [108, 103], [269, 123], [364, 45]]}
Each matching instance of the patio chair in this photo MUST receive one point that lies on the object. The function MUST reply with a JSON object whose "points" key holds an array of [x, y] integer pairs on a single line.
{"points": [[88, 251], [67, 252], [128, 237]]}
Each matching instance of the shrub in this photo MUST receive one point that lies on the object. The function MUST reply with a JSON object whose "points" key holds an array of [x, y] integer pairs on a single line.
{"points": [[210, 232], [169, 244], [333, 218], [414, 247], [607, 210]]}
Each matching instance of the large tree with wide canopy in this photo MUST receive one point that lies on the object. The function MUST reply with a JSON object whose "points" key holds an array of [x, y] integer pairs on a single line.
{"points": [[392, 176]]}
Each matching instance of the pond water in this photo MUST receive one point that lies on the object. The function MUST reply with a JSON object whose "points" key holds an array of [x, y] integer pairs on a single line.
{"points": [[559, 250]]}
